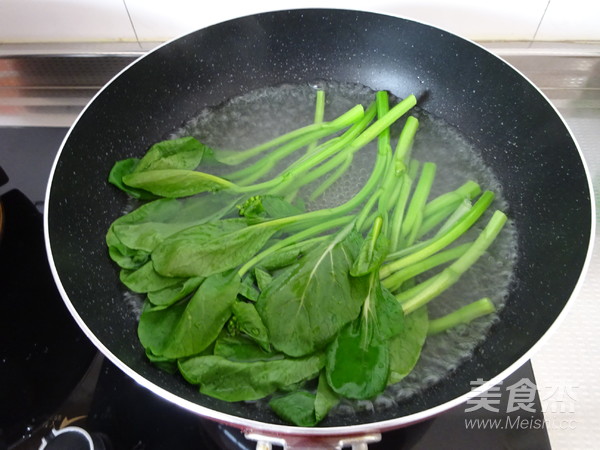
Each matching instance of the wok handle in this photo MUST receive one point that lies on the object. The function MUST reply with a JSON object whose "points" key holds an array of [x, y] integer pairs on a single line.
{"points": [[356, 442]]}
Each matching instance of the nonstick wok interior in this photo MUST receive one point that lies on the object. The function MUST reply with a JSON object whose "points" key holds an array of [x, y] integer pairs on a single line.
{"points": [[520, 135]]}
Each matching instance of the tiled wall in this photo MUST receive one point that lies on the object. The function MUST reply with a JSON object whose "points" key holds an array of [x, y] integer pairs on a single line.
{"points": [[26, 21]]}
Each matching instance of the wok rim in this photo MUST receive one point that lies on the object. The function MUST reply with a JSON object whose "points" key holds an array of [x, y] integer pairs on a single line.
{"points": [[253, 426]]}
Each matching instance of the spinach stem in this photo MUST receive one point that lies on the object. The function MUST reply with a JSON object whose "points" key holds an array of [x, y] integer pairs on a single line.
{"points": [[312, 131], [414, 213], [452, 273], [325, 185], [400, 206], [288, 180], [462, 315], [319, 115], [405, 144], [362, 139], [468, 190], [362, 216], [395, 280], [294, 238], [442, 241]]}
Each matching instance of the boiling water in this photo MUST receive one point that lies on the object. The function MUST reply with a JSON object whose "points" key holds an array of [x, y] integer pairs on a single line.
{"points": [[261, 115]]}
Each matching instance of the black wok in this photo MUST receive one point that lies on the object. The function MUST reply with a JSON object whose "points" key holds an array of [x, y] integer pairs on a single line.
{"points": [[542, 173]]}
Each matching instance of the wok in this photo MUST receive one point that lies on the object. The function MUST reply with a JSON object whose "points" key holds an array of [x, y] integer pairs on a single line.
{"points": [[543, 176]]}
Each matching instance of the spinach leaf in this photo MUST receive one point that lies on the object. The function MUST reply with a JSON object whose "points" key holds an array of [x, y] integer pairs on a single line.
{"points": [[145, 279], [297, 407], [263, 278], [122, 168], [167, 364], [181, 153], [372, 253], [175, 183], [356, 369], [238, 381], [205, 314], [249, 322], [210, 248], [124, 256], [268, 206], [243, 349], [147, 226], [305, 306], [358, 360], [325, 398], [303, 408], [156, 326], [171, 294], [248, 289], [405, 347]]}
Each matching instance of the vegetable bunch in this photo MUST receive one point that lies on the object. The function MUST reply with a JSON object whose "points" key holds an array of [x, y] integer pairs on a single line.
{"points": [[250, 293]]}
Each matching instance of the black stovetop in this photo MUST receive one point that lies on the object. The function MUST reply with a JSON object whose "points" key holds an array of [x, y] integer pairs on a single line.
{"points": [[52, 377]]}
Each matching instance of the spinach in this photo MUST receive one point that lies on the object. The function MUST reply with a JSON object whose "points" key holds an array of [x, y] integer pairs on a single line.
{"points": [[145, 279], [171, 294], [122, 168], [210, 248], [355, 370], [268, 206], [249, 322], [250, 295], [305, 306], [242, 349], [405, 347], [235, 381], [183, 153], [297, 407], [204, 316]]}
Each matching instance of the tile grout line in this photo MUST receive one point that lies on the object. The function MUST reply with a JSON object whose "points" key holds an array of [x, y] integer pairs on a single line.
{"points": [[537, 29], [137, 39]]}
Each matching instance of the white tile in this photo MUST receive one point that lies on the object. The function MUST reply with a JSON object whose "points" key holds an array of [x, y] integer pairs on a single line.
{"points": [[577, 20], [155, 20], [64, 21]]}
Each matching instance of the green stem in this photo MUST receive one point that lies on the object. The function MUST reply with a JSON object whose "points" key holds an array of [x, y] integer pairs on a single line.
{"points": [[452, 273], [363, 139], [458, 214], [438, 243], [405, 143], [414, 213], [255, 171], [315, 129], [433, 220], [319, 115], [309, 161], [362, 217], [400, 206], [292, 239], [293, 183], [395, 280], [437, 210], [462, 315], [469, 190], [341, 170]]}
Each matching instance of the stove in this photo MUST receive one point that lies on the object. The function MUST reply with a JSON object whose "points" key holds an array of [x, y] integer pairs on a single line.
{"points": [[57, 391]]}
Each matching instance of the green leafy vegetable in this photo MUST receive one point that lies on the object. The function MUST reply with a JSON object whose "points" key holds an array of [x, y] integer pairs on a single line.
{"points": [[305, 306], [236, 381], [251, 291]]}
